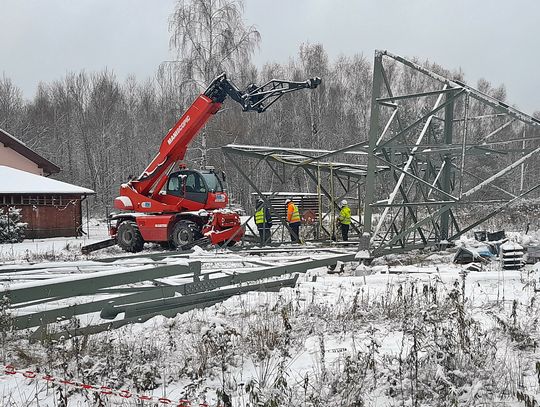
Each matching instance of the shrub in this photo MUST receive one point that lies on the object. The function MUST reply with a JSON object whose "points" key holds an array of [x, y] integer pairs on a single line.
{"points": [[12, 230]]}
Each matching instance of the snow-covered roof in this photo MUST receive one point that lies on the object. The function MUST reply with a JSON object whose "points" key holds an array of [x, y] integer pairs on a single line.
{"points": [[13, 181]]}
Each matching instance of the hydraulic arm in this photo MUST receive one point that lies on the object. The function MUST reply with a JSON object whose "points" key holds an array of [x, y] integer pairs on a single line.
{"points": [[174, 145], [177, 208]]}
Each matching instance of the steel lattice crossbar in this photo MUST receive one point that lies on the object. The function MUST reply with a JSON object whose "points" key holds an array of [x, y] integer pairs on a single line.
{"points": [[451, 150], [333, 180]]}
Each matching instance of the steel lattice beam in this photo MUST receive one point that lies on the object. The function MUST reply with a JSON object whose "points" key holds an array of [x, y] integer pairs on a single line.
{"points": [[438, 171]]}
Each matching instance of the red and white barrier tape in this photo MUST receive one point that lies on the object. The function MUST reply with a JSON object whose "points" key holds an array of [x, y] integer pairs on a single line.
{"points": [[105, 390]]}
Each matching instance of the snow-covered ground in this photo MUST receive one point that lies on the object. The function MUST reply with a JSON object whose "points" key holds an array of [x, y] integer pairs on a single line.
{"points": [[410, 330], [59, 248]]}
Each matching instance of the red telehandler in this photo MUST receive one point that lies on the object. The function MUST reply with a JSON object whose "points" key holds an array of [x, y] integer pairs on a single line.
{"points": [[177, 208]]}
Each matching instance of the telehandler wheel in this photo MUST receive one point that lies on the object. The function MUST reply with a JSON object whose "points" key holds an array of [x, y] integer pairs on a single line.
{"points": [[185, 232], [129, 237]]}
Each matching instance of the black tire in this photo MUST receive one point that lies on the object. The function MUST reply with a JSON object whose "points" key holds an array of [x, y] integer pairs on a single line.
{"points": [[185, 232], [129, 237]]}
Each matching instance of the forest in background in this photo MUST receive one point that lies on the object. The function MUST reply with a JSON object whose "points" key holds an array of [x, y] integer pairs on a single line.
{"points": [[102, 131]]}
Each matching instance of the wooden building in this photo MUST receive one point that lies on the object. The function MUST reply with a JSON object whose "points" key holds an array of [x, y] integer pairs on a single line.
{"points": [[51, 208]]}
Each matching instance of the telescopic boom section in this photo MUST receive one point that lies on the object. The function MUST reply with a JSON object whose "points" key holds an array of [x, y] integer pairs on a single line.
{"points": [[174, 145]]}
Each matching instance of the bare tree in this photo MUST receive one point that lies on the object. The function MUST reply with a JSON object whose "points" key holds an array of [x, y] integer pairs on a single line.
{"points": [[210, 37], [11, 106]]}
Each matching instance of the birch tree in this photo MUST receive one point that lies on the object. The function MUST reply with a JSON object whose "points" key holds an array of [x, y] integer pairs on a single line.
{"points": [[11, 106], [209, 37]]}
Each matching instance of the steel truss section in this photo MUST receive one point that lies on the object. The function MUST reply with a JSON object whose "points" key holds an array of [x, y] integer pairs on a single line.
{"points": [[440, 158], [453, 152], [70, 299], [334, 174]]}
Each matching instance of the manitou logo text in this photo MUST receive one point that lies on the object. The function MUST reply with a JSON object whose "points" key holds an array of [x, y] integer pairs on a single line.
{"points": [[178, 130]]}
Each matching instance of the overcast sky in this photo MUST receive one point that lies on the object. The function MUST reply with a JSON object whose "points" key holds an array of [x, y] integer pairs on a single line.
{"points": [[41, 40]]}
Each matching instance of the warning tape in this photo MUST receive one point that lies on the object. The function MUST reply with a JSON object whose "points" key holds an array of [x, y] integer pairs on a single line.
{"points": [[105, 390]]}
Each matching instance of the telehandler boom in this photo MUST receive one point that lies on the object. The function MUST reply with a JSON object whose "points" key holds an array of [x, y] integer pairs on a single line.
{"points": [[176, 208]]}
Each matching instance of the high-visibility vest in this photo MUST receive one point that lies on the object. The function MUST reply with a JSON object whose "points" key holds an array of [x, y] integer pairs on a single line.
{"points": [[260, 216], [345, 215], [293, 215]]}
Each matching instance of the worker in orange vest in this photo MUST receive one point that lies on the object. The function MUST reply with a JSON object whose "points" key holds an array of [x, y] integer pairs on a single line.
{"points": [[293, 218]]}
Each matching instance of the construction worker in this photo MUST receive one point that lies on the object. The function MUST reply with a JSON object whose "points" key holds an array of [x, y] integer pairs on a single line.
{"points": [[344, 219], [293, 218], [263, 220]]}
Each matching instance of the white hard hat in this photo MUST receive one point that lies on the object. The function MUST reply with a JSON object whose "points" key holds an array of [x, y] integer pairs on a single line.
{"points": [[288, 200], [343, 202]]}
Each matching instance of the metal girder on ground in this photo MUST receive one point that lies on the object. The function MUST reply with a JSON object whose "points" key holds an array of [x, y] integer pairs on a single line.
{"points": [[168, 307], [437, 136], [171, 283], [89, 284]]}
